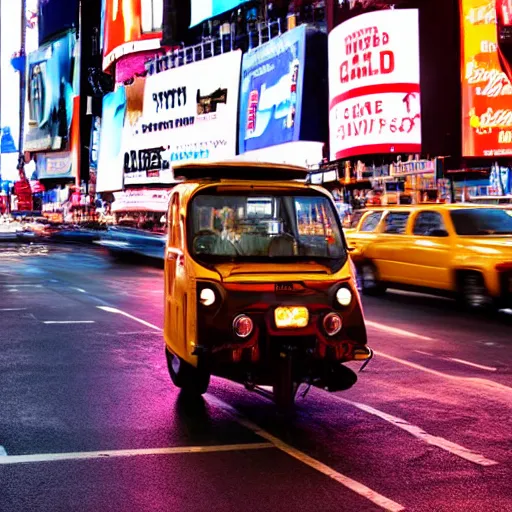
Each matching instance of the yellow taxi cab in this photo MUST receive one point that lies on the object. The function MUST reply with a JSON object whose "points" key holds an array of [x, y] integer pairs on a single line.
{"points": [[259, 287], [461, 250]]}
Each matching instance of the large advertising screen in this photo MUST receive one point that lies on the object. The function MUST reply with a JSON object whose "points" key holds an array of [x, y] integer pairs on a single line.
{"points": [[130, 26], [189, 114], [271, 92], [486, 88], [374, 84], [202, 10], [53, 82], [110, 157], [56, 16], [283, 96]]}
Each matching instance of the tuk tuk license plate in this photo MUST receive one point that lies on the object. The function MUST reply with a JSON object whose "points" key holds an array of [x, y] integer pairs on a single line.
{"points": [[291, 317]]}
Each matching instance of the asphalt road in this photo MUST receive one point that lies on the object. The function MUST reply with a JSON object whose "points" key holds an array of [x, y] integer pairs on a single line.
{"points": [[89, 420]]}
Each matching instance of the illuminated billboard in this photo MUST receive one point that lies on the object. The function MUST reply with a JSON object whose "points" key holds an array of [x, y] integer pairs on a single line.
{"points": [[201, 10], [56, 16], [51, 88], [130, 26], [486, 88], [374, 84]]}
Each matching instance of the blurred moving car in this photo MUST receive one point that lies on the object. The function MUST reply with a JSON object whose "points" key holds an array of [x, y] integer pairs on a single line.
{"points": [[460, 250], [122, 241]]}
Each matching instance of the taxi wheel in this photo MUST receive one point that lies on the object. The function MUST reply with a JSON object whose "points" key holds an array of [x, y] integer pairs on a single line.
{"points": [[368, 280], [473, 291], [188, 378], [284, 388]]}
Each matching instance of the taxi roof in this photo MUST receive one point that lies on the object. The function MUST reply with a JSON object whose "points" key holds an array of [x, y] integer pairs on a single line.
{"points": [[240, 171]]}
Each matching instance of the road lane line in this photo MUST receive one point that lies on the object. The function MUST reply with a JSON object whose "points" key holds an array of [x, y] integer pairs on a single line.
{"points": [[439, 442], [491, 385], [3, 453], [13, 309], [116, 311], [395, 330], [351, 484], [474, 365], [81, 290], [423, 353], [53, 457], [63, 322]]}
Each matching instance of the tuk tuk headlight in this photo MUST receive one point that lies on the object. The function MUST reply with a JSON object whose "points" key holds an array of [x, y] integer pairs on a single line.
{"points": [[207, 297], [332, 324], [344, 297]]}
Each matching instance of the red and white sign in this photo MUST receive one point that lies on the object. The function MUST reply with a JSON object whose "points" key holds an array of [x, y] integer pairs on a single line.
{"points": [[374, 84]]}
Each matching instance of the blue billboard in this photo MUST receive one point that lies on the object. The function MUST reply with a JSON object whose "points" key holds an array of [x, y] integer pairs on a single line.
{"points": [[110, 158], [277, 78], [56, 16], [201, 10], [51, 86]]}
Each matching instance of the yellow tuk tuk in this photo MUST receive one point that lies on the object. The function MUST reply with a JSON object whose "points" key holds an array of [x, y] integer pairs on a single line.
{"points": [[259, 287]]}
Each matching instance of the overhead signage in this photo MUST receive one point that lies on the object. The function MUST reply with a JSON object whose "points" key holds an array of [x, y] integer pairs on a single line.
{"points": [[271, 91], [486, 88], [129, 28], [189, 114], [202, 10], [54, 165], [110, 158], [52, 86], [374, 84], [56, 16]]}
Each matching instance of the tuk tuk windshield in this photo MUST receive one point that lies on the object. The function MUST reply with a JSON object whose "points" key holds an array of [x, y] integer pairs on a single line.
{"points": [[260, 227]]}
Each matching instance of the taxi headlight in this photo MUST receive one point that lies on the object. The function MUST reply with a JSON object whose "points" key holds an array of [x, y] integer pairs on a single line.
{"points": [[344, 296], [207, 297]]}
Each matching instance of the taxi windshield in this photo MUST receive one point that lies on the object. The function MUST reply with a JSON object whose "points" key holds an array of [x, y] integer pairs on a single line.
{"points": [[263, 227], [482, 221]]}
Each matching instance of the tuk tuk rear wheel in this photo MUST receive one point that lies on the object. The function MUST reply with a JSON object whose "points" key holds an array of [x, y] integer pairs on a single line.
{"points": [[189, 379]]}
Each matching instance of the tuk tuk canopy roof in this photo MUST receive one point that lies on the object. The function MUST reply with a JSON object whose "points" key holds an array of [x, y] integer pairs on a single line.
{"points": [[239, 170]]}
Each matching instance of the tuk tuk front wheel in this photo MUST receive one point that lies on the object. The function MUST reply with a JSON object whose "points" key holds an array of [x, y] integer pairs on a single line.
{"points": [[189, 379], [284, 388]]}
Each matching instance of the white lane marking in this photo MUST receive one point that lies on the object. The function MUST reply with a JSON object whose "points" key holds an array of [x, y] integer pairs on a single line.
{"points": [[81, 290], [116, 311], [132, 333], [13, 309], [353, 485], [474, 365], [63, 322], [3, 453], [439, 442], [398, 332], [490, 384], [423, 353], [52, 457], [12, 290]]}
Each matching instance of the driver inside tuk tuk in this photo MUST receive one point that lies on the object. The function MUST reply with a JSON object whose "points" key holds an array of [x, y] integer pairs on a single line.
{"points": [[252, 226]]}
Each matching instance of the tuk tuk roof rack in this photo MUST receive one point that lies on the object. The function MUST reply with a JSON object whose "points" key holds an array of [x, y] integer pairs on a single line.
{"points": [[240, 170]]}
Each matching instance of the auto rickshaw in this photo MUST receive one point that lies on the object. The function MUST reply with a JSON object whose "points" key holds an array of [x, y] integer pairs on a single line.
{"points": [[259, 287]]}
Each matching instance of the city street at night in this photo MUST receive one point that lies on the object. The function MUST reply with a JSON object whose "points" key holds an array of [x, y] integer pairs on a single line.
{"points": [[89, 418]]}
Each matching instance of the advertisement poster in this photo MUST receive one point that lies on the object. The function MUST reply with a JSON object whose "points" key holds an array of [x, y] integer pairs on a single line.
{"points": [[189, 114], [271, 92], [486, 88], [128, 28], [202, 10], [54, 165], [110, 158], [374, 84], [55, 16], [51, 87]]}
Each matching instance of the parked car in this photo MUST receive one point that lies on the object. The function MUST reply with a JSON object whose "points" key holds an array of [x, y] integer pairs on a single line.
{"points": [[464, 251]]}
